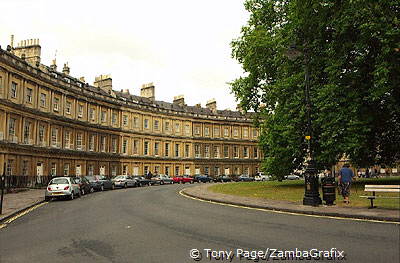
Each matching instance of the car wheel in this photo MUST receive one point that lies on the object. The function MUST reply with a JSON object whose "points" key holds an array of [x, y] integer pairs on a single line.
{"points": [[91, 190], [162, 182], [102, 187], [112, 187], [125, 185], [72, 196], [83, 191], [191, 182]]}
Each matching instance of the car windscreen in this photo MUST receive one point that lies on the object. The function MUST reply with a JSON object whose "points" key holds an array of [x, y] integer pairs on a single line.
{"points": [[59, 181], [120, 177]]}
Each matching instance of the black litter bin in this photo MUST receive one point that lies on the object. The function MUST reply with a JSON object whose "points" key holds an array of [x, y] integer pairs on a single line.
{"points": [[328, 190]]}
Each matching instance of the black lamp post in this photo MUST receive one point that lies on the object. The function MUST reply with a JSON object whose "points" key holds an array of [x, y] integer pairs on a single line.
{"points": [[311, 195]]}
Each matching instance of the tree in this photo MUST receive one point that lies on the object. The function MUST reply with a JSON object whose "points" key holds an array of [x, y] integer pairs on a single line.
{"points": [[352, 51]]}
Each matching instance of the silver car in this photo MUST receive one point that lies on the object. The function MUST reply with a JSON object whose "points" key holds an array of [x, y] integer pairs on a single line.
{"points": [[124, 181], [162, 179], [62, 187]]}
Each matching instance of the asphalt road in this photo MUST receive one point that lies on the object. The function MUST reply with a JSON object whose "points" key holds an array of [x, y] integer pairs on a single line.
{"points": [[156, 224]]}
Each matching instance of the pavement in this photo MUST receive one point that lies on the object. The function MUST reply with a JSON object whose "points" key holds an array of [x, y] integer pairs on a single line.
{"points": [[202, 192], [14, 203]]}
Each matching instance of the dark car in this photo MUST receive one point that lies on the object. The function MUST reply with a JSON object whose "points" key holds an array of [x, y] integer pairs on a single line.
{"points": [[245, 178], [224, 178], [203, 179], [84, 185], [141, 181], [100, 182]]}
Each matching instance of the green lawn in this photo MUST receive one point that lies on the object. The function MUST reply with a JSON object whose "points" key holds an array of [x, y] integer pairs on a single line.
{"points": [[294, 190]]}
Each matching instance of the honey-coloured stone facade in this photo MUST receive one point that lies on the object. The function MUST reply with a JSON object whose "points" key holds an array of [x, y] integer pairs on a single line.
{"points": [[54, 124]]}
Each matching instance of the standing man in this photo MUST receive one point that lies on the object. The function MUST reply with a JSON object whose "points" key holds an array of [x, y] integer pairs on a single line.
{"points": [[345, 178]]}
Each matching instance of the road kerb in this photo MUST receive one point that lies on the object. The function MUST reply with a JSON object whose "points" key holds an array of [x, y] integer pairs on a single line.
{"points": [[332, 215], [15, 215]]}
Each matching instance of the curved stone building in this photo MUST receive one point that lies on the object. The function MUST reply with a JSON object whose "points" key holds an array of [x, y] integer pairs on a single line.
{"points": [[54, 124]]}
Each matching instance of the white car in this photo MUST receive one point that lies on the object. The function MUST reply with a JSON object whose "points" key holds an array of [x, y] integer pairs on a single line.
{"points": [[262, 177], [62, 187], [292, 177]]}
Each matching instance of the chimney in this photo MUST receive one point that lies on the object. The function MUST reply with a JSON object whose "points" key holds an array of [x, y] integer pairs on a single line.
{"points": [[65, 69], [239, 109], [30, 48], [212, 105], [198, 105], [53, 66], [179, 100], [126, 91], [82, 79], [147, 91], [103, 82]]}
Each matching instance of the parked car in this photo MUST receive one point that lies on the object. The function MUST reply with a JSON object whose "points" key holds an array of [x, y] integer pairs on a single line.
{"points": [[292, 177], [183, 179], [262, 177], [223, 178], [245, 178], [141, 181], [84, 185], [162, 179], [203, 179], [62, 187], [100, 182], [124, 181]]}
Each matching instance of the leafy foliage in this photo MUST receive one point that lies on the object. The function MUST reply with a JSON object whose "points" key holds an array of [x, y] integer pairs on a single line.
{"points": [[352, 50]]}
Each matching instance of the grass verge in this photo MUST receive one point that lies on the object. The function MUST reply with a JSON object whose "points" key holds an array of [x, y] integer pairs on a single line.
{"points": [[293, 191]]}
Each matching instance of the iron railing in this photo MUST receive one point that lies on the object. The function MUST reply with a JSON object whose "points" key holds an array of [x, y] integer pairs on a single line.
{"points": [[20, 181]]}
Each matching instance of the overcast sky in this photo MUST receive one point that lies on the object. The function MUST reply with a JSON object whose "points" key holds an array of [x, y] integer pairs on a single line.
{"points": [[182, 46]]}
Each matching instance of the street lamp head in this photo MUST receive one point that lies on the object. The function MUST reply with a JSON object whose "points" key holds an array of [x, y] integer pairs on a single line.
{"points": [[293, 52]]}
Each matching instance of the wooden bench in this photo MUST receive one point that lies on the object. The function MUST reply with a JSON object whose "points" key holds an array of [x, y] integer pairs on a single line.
{"points": [[382, 189]]}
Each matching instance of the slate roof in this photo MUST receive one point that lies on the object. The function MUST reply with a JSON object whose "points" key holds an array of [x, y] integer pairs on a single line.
{"points": [[178, 108]]}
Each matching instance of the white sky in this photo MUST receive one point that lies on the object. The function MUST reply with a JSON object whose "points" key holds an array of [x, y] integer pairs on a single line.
{"points": [[182, 46]]}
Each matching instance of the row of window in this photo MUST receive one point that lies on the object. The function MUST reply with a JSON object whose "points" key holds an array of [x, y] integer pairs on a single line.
{"points": [[68, 106], [200, 150], [74, 139]]}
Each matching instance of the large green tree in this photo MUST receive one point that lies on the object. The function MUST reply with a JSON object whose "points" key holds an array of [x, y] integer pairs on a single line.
{"points": [[352, 51]]}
